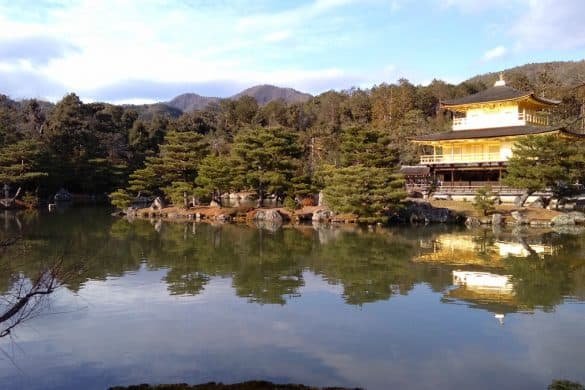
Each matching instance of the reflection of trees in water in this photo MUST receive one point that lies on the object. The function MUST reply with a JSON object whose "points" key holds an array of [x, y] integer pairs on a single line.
{"points": [[267, 267], [23, 298], [26, 298]]}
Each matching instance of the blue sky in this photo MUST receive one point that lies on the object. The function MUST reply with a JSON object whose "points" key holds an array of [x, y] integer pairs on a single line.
{"points": [[152, 50]]}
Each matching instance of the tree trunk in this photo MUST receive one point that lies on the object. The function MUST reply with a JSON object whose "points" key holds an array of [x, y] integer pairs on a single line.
{"points": [[260, 197], [523, 198]]}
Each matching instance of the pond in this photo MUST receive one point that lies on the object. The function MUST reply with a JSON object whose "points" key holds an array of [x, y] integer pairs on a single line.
{"points": [[422, 307]]}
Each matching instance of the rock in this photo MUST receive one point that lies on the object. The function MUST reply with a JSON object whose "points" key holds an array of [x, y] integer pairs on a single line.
{"points": [[553, 204], [223, 218], [418, 211], [538, 203], [157, 204], [322, 216], [497, 219], [485, 221], [563, 220], [214, 204], [578, 216], [521, 199], [472, 222], [63, 196], [197, 216], [519, 218], [172, 215], [268, 215]]}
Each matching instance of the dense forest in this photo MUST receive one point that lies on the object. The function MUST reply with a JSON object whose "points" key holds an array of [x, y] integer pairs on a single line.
{"points": [[284, 149]]}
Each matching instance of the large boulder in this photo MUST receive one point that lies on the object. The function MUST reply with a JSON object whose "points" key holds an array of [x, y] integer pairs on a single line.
{"points": [[322, 216], [519, 218], [571, 218], [268, 215], [538, 203], [424, 212], [578, 216], [563, 220], [157, 204]]}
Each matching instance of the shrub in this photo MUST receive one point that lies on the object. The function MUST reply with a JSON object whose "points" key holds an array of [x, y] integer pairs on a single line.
{"points": [[484, 200]]}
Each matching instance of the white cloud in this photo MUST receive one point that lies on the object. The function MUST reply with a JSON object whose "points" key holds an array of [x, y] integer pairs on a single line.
{"points": [[277, 36], [496, 52], [471, 6], [550, 24]]}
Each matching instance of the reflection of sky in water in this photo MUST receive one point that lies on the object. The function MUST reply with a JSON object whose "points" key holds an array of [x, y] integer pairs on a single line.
{"points": [[129, 330]]}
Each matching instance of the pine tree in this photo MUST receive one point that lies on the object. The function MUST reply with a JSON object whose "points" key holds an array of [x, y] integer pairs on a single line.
{"points": [[367, 146], [365, 191], [20, 163], [216, 176], [179, 156], [268, 159], [546, 162]]}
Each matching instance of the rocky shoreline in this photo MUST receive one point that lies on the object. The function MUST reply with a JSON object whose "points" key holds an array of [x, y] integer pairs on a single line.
{"points": [[413, 212]]}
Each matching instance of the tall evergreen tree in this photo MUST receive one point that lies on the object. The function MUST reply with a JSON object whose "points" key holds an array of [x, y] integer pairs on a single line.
{"points": [[268, 158], [20, 163], [365, 191]]}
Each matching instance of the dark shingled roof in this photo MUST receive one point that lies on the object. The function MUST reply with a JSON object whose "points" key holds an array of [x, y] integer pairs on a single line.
{"points": [[415, 170], [498, 93], [487, 133]]}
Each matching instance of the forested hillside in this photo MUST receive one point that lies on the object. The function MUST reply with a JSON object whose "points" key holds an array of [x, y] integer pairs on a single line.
{"points": [[235, 144]]}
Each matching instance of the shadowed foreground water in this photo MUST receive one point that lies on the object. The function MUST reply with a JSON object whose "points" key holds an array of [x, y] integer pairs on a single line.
{"points": [[426, 307]]}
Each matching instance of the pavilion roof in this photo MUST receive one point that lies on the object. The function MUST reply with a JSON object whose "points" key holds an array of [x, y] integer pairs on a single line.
{"points": [[497, 94], [487, 133]]}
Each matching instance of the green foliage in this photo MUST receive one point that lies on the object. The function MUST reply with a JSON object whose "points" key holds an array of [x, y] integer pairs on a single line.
{"points": [[563, 384], [216, 176], [367, 146], [268, 159], [290, 204], [144, 181], [179, 156], [365, 191], [30, 200], [179, 193], [120, 199], [546, 162], [98, 147], [19, 163], [484, 200]]}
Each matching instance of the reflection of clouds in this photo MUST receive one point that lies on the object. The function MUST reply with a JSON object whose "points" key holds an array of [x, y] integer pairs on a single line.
{"points": [[132, 332], [555, 341]]}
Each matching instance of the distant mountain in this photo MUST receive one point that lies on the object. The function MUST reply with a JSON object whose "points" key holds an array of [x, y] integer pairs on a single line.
{"points": [[148, 111], [567, 74], [265, 94], [191, 101]]}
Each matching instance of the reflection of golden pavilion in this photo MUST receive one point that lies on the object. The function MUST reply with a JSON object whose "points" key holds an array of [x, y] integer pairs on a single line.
{"points": [[458, 249], [483, 282], [486, 290]]}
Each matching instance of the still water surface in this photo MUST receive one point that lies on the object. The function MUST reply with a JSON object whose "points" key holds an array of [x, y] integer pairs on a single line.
{"points": [[425, 308]]}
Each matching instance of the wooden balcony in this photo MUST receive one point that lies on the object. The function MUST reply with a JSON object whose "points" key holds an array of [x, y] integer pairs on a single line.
{"points": [[465, 187], [491, 121], [461, 158], [461, 188]]}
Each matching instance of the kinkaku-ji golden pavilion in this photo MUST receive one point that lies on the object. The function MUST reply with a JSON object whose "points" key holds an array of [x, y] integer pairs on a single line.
{"points": [[475, 152]]}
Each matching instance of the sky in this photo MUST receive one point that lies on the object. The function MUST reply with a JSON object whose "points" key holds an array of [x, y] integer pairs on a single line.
{"points": [[152, 50]]}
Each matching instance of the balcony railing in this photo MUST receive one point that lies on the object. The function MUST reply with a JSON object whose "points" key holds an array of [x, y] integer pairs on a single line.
{"points": [[461, 158], [489, 121], [534, 119]]}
